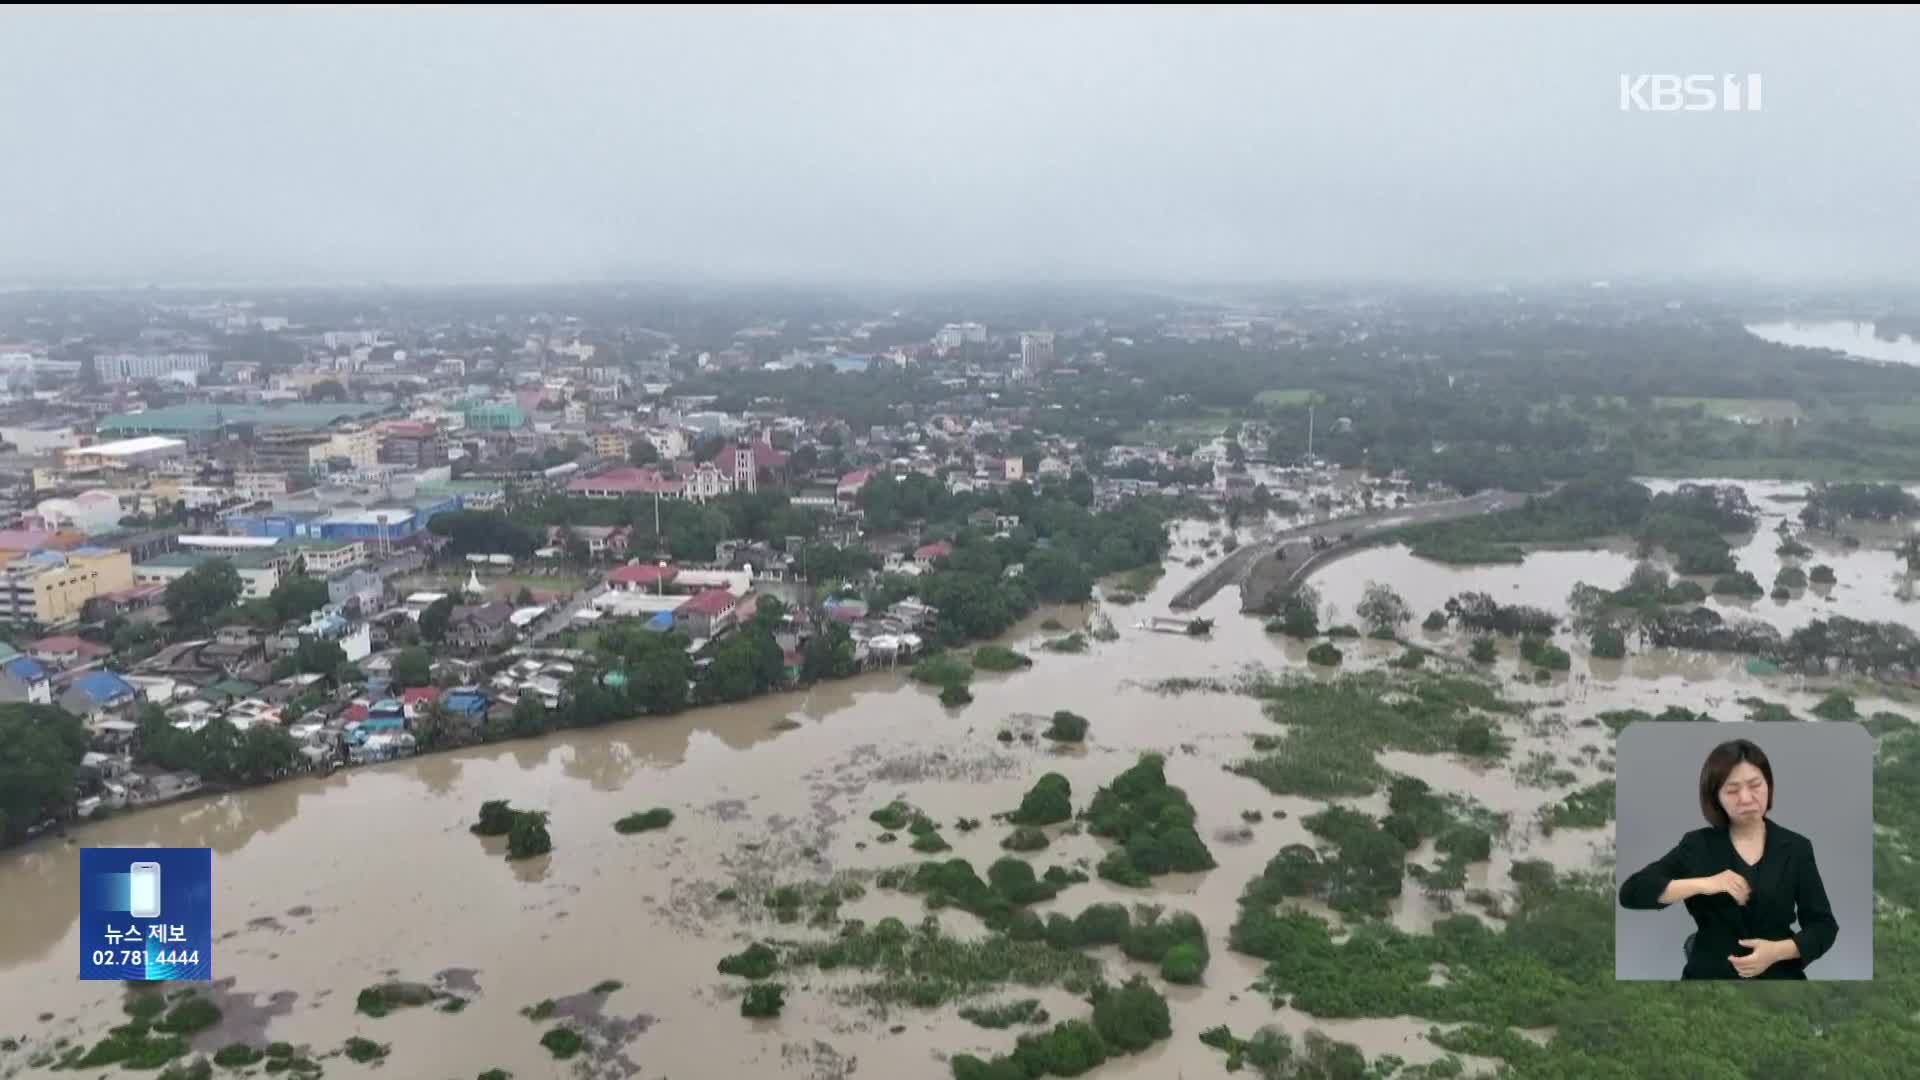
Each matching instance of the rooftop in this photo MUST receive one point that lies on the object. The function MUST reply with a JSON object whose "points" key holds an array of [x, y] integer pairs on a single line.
{"points": [[199, 418], [129, 447], [242, 559]]}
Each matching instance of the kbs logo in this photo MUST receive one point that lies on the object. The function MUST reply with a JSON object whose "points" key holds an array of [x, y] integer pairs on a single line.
{"points": [[1689, 93]]}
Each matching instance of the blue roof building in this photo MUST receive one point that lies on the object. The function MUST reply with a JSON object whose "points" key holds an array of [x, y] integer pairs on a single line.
{"points": [[468, 703]]}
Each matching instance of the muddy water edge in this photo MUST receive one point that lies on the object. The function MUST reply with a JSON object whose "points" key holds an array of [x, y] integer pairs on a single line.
{"points": [[324, 886]]}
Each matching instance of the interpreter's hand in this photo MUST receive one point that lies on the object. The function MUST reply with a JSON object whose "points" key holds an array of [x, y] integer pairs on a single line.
{"points": [[1731, 883], [1764, 955]]}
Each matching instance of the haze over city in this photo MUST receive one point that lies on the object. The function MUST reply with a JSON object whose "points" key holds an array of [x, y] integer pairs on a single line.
{"points": [[906, 145]]}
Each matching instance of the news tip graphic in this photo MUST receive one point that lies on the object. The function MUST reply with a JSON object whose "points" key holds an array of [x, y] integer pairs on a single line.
{"points": [[146, 914]]}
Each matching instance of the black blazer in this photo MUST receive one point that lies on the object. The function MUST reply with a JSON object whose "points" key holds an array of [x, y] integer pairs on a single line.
{"points": [[1785, 882]]}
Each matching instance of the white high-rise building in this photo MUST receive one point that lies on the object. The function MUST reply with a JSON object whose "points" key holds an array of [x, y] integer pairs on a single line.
{"points": [[1036, 351]]}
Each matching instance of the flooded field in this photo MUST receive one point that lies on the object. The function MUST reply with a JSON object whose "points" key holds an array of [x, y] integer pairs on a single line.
{"points": [[326, 886]]}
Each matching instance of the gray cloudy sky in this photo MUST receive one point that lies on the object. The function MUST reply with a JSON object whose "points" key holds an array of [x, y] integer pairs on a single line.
{"points": [[908, 145]]}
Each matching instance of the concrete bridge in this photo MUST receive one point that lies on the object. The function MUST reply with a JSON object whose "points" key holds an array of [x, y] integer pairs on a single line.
{"points": [[1237, 566]]}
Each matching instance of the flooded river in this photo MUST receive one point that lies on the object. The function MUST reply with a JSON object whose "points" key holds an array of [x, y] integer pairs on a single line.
{"points": [[325, 886], [1840, 335]]}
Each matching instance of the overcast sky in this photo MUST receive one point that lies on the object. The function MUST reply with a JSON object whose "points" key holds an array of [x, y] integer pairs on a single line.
{"points": [[903, 145]]}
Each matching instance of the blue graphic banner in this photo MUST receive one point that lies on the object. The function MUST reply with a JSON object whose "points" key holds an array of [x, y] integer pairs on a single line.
{"points": [[146, 914]]}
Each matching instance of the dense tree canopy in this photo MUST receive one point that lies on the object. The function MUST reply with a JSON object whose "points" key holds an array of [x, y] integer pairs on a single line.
{"points": [[40, 751]]}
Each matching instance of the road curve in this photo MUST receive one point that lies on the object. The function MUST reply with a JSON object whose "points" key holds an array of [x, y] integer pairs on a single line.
{"points": [[1233, 569]]}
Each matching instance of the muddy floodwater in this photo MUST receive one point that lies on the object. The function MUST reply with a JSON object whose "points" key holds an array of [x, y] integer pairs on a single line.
{"points": [[326, 886]]}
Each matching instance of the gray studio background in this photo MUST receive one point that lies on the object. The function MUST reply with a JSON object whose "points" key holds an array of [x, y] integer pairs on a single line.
{"points": [[1823, 776]]}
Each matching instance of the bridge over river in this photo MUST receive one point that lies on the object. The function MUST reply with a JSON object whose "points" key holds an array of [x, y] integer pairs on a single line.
{"points": [[1235, 568]]}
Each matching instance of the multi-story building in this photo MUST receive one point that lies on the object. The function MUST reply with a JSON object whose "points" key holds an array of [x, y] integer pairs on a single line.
{"points": [[289, 450], [610, 444], [324, 558], [37, 439], [669, 443], [412, 444], [128, 367], [259, 569], [358, 446], [263, 486], [1036, 351], [51, 587]]}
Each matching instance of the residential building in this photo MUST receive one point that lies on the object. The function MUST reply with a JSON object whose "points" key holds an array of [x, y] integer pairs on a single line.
{"points": [[52, 587], [603, 541], [611, 444], [363, 585], [259, 569], [65, 650], [481, 627], [412, 444], [22, 679], [294, 451], [1036, 351], [354, 636], [357, 446], [669, 443], [495, 416], [924, 557], [848, 490], [100, 695], [266, 486], [131, 367], [705, 614]]}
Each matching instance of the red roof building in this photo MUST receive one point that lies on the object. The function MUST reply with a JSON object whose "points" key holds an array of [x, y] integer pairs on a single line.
{"points": [[642, 577], [620, 483], [850, 484], [937, 550]]}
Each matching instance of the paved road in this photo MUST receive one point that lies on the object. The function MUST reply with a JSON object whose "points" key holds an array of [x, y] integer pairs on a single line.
{"points": [[561, 617], [1233, 569]]}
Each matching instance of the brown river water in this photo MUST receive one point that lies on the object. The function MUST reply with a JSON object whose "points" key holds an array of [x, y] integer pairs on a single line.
{"points": [[325, 886]]}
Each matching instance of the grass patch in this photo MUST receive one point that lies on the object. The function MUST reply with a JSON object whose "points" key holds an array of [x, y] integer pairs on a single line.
{"points": [[756, 962], [657, 818], [925, 968], [607, 986], [1269, 399], [942, 669], [1735, 408], [996, 1017], [1075, 642], [361, 1051], [1335, 728], [1000, 658], [954, 695], [237, 1056], [380, 999], [1589, 808]]}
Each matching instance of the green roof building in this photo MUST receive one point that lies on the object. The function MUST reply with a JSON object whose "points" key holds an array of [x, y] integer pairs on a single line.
{"points": [[208, 419]]}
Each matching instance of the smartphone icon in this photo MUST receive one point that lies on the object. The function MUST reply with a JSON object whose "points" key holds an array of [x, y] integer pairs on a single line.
{"points": [[143, 894]]}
